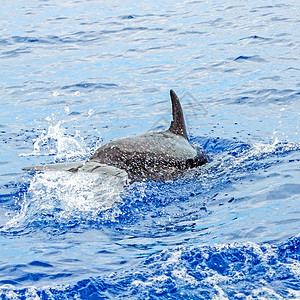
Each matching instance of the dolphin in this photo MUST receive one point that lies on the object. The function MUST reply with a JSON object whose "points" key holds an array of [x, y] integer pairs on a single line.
{"points": [[152, 156]]}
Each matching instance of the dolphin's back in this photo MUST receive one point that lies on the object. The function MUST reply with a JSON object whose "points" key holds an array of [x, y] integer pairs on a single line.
{"points": [[156, 156]]}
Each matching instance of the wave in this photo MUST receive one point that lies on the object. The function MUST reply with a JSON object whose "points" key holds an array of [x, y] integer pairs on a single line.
{"points": [[222, 271]]}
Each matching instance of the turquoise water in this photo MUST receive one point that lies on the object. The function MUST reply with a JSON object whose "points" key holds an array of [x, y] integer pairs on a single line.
{"points": [[78, 74]]}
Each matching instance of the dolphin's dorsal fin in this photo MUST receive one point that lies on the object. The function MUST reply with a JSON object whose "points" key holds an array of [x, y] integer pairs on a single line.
{"points": [[177, 125]]}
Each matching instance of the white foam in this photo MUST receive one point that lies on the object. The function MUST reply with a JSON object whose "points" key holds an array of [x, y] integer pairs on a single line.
{"points": [[7, 290], [257, 150], [31, 293], [66, 196], [55, 141], [262, 293]]}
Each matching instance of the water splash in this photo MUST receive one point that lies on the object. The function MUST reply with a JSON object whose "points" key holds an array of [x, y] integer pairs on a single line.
{"points": [[55, 141], [238, 155], [60, 198]]}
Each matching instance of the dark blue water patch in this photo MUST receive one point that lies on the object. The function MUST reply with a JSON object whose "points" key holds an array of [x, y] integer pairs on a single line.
{"points": [[16, 52], [52, 39], [233, 271], [89, 85], [289, 252], [23, 135], [40, 264], [19, 273], [136, 29], [255, 37], [25, 39], [217, 145], [61, 18], [193, 32], [80, 32], [263, 96], [127, 17], [5, 197], [5, 42], [254, 58], [74, 113], [151, 198], [85, 289], [10, 192], [7, 281], [243, 100], [83, 37], [31, 277]]}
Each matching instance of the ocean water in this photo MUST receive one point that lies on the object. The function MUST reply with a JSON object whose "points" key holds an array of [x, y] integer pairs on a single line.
{"points": [[77, 74]]}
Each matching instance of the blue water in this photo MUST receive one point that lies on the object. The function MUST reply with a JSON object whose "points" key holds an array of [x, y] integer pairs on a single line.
{"points": [[77, 74]]}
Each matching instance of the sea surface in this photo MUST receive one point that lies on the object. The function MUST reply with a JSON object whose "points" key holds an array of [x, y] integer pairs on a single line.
{"points": [[78, 74]]}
